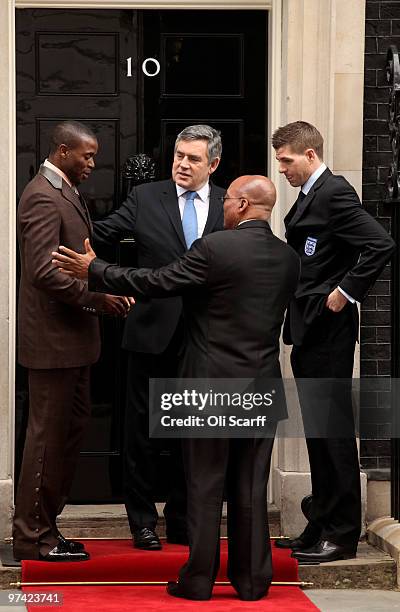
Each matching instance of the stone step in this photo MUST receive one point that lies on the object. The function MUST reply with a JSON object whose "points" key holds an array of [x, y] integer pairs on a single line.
{"points": [[110, 521], [372, 569]]}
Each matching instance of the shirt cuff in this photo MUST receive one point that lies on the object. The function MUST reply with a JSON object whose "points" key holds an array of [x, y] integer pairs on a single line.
{"points": [[347, 296]]}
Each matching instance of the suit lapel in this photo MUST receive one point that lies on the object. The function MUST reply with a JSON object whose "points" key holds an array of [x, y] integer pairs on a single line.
{"points": [[296, 212], [169, 200], [214, 211], [70, 195], [87, 213]]}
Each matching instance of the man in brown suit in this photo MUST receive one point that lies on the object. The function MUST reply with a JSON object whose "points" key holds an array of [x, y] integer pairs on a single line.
{"points": [[58, 340]]}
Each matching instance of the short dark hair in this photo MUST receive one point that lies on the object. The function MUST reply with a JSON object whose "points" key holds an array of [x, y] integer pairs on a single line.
{"points": [[300, 136], [69, 133]]}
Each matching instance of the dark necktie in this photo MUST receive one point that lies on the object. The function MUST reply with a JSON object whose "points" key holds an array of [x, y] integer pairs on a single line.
{"points": [[83, 205], [300, 201]]}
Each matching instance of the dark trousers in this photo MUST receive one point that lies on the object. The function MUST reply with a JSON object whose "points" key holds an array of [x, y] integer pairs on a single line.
{"points": [[141, 453], [244, 465], [328, 353], [59, 410]]}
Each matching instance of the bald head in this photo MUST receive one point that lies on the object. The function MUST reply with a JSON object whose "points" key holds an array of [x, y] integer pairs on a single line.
{"points": [[249, 197]]}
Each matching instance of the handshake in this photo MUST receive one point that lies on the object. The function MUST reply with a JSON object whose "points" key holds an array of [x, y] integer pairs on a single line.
{"points": [[77, 265]]}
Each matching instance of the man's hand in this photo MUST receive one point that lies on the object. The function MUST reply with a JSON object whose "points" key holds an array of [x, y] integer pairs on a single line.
{"points": [[117, 305], [72, 263], [336, 301]]}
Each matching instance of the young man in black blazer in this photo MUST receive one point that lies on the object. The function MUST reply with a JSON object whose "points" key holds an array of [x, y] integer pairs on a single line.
{"points": [[343, 250], [154, 215], [236, 286]]}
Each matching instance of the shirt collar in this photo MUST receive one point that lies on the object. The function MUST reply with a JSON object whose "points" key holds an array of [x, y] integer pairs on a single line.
{"points": [[57, 170], [202, 193], [246, 220], [313, 178]]}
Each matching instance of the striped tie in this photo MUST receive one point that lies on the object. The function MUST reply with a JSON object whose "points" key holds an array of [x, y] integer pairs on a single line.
{"points": [[189, 219]]}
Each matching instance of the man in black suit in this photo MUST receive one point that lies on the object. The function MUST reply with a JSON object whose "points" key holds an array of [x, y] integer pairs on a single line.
{"points": [[236, 286], [343, 250], [163, 224]]}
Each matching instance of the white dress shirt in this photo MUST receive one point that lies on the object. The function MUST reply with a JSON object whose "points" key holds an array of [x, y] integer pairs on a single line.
{"points": [[58, 171], [313, 178], [201, 204]]}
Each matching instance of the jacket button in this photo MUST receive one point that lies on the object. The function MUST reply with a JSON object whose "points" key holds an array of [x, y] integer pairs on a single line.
{"points": [[36, 504], [37, 489], [38, 475]]}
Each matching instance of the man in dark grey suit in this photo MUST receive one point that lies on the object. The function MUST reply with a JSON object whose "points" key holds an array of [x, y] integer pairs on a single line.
{"points": [[236, 285], [343, 250], [164, 218]]}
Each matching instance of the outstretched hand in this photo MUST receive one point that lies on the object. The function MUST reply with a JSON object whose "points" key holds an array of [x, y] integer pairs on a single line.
{"points": [[72, 263]]}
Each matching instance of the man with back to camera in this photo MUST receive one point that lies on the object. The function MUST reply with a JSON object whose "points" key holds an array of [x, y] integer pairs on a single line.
{"points": [[236, 285], [58, 340], [164, 217], [343, 250]]}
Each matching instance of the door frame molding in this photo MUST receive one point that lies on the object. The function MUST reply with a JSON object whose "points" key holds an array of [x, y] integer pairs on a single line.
{"points": [[149, 4], [8, 306]]}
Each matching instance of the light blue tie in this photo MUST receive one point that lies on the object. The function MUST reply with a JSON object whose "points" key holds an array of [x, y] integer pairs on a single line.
{"points": [[189, 219]]}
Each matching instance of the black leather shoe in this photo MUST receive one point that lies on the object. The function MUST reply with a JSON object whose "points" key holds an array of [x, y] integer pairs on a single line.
{"points": [[306, 505], [74, 545], [323, 552], [303, 542], [174, 589], [146, 539], [178, 538], [64, 553]]}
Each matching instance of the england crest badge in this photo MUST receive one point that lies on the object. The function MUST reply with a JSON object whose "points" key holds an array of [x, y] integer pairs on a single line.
{"points": [[310, 246]]}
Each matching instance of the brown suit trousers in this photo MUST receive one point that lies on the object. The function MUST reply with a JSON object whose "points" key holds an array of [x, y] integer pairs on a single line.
{"points": [[59, 410]]}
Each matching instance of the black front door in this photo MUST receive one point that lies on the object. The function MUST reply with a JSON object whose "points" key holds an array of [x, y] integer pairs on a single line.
{"points": [[212, 70], [136, 78]]}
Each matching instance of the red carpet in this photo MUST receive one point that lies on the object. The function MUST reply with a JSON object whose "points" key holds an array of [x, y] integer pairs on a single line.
{"points": [[116, 560]]}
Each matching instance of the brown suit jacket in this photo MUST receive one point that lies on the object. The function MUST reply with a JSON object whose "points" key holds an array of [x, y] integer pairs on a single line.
{"points": [[57, 328]]}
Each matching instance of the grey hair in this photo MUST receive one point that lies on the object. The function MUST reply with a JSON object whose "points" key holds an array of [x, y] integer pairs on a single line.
{"points": [[203, 132]]}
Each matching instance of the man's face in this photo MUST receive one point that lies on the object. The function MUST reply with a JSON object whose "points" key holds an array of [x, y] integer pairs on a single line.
{"points": [[191, 167], [78, 161], [297, 167]]}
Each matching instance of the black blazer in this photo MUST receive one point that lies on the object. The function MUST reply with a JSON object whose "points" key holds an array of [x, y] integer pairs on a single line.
{"points": [[150, 214], [339, 243], [236, 285]]}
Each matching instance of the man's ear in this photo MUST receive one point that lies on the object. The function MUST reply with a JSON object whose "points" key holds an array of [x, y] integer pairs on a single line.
{"points": [[63, 148], [214, 165], [311, 155], [243, 205]]}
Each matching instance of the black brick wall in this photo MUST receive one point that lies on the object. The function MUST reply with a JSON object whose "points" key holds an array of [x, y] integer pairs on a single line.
{"points": [[382, 28]]}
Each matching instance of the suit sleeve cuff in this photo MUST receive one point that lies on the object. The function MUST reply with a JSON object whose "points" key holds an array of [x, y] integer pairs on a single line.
{"points": [[96, 271], [347, 296]]}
